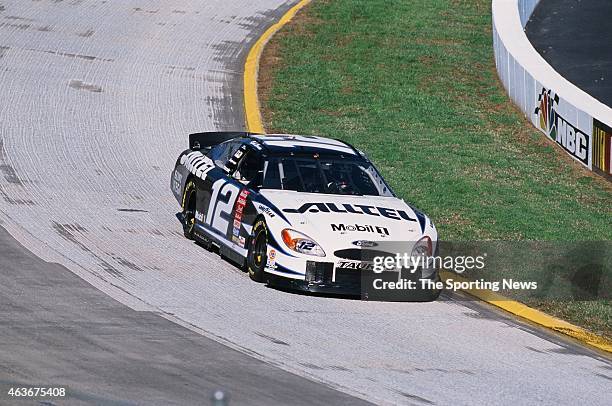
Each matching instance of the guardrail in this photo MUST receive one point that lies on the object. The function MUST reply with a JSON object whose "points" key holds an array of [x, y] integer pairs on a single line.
{"points": [[576, 121]]}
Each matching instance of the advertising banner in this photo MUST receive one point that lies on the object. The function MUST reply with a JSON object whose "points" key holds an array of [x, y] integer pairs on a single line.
{"points": [[602, 145]]}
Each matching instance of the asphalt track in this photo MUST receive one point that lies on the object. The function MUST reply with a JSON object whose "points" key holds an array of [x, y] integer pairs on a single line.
{"points": [[64, 332], [96, 101], [575, 38]]}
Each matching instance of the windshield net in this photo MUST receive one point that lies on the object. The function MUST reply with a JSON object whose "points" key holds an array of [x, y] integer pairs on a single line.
{"points": [[330, 176]]}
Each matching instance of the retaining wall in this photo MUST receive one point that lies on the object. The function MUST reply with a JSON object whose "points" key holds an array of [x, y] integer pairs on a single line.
{"points": [[577, 122]]}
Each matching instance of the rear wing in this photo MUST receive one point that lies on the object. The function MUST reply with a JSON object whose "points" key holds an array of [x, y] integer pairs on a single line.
{"points": [[212, 138]]}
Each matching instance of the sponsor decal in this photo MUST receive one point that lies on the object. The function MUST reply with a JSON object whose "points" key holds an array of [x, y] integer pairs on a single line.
{"points": [[271, 263], [602, 147], [238, 210], [361, 228], [266, 210], [353, 209], [233, 161], [558, 129], [198, 164], [199, 216], [365, 244], [256, 145], [355, 265], [177, 180]]}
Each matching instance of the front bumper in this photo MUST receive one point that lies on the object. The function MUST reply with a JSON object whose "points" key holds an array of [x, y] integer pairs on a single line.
{"points": [[322, 278]]}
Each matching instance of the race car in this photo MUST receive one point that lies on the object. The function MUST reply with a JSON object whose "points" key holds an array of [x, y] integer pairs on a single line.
{"points": [[298, 212]]}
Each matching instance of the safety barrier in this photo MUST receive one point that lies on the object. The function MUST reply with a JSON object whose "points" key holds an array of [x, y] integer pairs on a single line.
{"points": [[577, 122]]}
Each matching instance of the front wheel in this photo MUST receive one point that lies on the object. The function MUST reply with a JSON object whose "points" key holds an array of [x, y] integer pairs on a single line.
{"points": [[257, 256]]}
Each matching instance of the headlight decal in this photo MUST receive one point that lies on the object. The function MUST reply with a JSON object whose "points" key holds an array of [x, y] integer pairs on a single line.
{"points": [[300, 242]]}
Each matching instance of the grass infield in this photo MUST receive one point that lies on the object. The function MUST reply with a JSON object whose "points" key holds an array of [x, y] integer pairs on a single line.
{"points": [[413, 84]]}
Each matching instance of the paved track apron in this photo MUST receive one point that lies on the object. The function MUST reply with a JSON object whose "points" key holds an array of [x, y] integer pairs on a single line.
{"points": [[96, 101]]}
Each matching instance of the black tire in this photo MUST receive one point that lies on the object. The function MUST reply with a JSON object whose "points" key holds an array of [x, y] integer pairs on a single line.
{"points": [[257, 256], [430, 295], [189, 210]]}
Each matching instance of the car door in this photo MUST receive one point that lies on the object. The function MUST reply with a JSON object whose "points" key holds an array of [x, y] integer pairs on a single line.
{"points": [[216, 192], [244, 177]]}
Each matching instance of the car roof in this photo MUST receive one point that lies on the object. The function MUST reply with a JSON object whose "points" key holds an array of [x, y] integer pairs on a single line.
{"points": [[287, 143]]}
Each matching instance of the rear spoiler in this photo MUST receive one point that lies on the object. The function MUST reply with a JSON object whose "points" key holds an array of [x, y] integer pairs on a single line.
{"points": [[212, 138]]}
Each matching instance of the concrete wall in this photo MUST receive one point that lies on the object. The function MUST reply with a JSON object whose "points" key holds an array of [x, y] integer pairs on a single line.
{"points": [[580, 124]]}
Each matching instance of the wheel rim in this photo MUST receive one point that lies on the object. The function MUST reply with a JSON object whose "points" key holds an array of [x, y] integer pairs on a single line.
{"points": [[190, 212]]}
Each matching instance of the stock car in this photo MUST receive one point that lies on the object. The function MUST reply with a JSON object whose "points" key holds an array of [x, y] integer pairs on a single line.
{"points": [[298, 212]]}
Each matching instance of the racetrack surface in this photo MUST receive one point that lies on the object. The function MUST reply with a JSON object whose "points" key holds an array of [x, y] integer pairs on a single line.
{"points": [[97, 101], [62, 331], [574, 37]]}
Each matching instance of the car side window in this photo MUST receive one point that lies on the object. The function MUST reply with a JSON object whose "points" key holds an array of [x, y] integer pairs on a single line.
{"points": [[221, 153], [248, 168]]}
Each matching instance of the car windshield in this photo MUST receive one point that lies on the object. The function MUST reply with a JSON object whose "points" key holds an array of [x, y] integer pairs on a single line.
{"points": [[312, 174]]}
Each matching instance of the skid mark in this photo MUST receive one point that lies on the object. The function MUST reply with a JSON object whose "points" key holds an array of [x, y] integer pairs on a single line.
{"points": [[16, 202], [71, 55], [77, 84], [126, 263], [86, 34], [9, 174], [67, 232], [272, 339], [5, 167], [133, 210], [15, 25], [311, 366], [141, 10], [17, 18], [415, 398]]}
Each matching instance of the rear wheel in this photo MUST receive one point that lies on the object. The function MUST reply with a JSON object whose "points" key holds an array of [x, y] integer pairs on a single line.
{"points": [[189, 210], [257, 256]]}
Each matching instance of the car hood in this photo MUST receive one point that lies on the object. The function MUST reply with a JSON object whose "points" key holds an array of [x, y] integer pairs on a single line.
{"points": [[339, 221]]}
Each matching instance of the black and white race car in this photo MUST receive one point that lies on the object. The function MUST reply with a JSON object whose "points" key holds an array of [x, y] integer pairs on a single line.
{"points": [[296, 211]]}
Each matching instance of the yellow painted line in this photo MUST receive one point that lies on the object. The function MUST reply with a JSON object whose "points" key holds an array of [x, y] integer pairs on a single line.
{"points": [[254, 124], [533, 315], [252, 109]]}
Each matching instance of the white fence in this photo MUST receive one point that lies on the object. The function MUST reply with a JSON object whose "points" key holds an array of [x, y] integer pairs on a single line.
{"points": [[580, 125]]}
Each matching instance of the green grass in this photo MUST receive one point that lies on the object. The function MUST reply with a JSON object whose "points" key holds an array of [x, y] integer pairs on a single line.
{"points": [[413, 84]]}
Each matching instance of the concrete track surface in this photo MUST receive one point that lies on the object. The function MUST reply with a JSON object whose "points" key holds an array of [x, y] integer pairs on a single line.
{"points": [[64, 332], [96, 101]]}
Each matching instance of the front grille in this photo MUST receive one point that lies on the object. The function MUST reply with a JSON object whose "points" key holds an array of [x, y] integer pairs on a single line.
{"points": [[358, 254], [349, 279]]}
